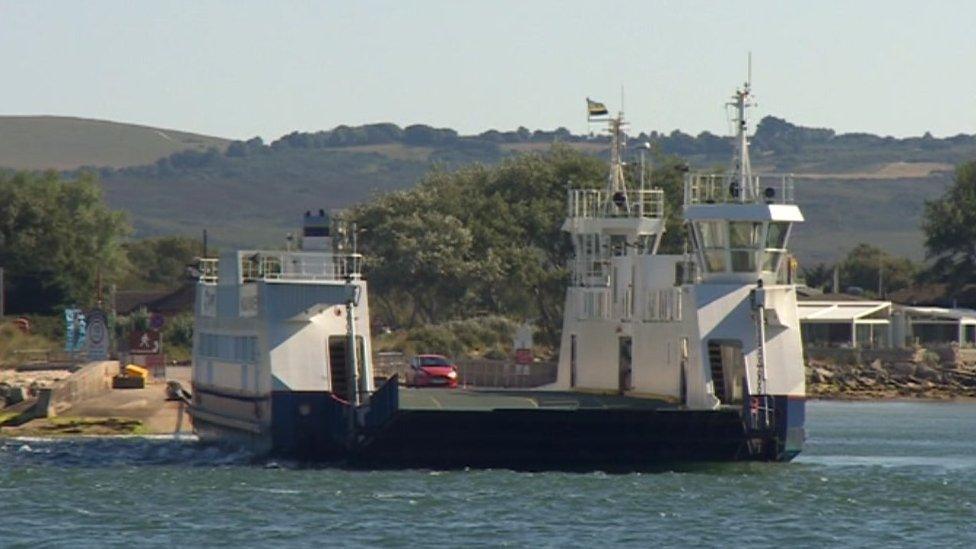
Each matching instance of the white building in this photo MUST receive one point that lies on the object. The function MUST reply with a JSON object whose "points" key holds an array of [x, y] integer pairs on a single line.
{"points": [[847, 323], [933, 325]]}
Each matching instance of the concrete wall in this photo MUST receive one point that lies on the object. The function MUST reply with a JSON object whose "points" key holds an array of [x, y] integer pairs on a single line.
{"points": [[93, 379]]}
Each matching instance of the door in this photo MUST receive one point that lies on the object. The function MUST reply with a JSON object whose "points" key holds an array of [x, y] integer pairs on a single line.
{"points": [[572, 360], [626, 363]]}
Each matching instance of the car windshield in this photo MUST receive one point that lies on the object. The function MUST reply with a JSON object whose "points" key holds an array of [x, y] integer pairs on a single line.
{"points": [[433, 361]]}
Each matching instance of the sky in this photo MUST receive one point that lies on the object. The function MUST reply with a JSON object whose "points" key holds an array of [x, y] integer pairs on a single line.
{"points": [[241, 68]]}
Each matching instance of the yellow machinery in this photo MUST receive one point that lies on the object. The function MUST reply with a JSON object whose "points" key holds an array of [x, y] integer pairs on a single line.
{"points": [[131, 377]]}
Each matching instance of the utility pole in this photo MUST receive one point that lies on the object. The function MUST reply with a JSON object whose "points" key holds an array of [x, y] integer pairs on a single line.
{"points": [[880, 277]]}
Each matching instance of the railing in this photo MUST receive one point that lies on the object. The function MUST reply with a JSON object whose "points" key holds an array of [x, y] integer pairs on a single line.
{"points": [[208, 268], [593, 304], [725, 188], [588, 272], [663, 306], [300, 266], [589, 203], [503, 373]]}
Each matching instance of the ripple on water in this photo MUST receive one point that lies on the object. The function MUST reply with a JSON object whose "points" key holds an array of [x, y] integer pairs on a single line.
{"points": [[859, 482]]}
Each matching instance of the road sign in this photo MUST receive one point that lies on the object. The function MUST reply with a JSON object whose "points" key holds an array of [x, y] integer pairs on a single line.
{"points": [[146, 342], [97, 335], [156, 321]]}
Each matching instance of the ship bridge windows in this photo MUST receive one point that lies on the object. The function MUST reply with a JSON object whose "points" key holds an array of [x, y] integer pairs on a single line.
{"points": [[714, 239], [741, 246], [744, 240], [775, 245]]}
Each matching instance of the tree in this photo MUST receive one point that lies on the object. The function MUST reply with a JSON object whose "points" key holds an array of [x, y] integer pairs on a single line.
{"points": [[488, 240], [160, 262], [818, 276], [865, 265], [56, 237], [949, 224]]}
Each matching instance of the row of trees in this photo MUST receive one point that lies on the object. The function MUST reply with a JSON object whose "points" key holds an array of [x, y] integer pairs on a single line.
{"points": [[58, 238], [868, 268], [483, 240]]}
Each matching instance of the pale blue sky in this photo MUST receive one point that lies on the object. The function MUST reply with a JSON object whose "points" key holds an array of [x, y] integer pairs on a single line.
{"points": [[241, 68]]}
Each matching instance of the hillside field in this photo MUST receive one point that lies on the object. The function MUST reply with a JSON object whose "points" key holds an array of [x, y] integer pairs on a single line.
{"points": [[65, 143]]}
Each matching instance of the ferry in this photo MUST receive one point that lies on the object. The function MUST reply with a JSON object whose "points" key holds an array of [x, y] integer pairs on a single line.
{"points": [[664, 359]]}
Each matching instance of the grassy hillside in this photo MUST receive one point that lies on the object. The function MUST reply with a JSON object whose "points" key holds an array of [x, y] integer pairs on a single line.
{"points": [[64, 143], [840, 213], [852, 187]]}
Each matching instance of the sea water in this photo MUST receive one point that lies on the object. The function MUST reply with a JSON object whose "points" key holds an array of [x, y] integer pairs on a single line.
{"points": [[872, 474]]}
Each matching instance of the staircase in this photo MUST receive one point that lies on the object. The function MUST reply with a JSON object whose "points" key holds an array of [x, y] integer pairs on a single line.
{"points": [[718, 375], [338, 369]]}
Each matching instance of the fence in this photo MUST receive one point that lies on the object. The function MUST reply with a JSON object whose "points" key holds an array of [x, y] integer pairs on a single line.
{"points": [[503, 373], [475, 372]]}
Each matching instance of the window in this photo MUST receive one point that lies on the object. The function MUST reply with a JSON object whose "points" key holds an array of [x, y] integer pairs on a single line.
{"points": [[775, 245], [771, 261], [713, 234], [744, 238], [714, 242], [744, 234], [242, 349], [776, 235], [715, 260], [743, 261]]}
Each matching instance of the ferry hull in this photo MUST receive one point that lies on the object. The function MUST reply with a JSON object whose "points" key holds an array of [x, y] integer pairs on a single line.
{"points": [[313, 426]]}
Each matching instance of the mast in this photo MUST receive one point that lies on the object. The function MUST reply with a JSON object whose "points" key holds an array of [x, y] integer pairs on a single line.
{"points": [[617, 140], [741, 166]]}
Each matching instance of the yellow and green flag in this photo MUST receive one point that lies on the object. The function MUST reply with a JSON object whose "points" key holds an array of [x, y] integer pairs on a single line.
{"points": [[595, 108]]}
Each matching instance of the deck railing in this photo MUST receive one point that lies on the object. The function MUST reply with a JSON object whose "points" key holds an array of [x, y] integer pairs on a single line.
{"points": [[291, 266], [663, 305], [725, 188], [301, 266], [589, 203], [208, 269]]}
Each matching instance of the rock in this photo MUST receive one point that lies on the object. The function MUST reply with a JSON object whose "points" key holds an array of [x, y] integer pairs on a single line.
{"points": [[902, 369], [927, 373], [821, 375], [14, 395], [866, 381]]}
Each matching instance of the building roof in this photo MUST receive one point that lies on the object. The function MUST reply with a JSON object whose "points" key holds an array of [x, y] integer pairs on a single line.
{"points": [[805, 293], [843, 311], [940, 313], [169, 302]]}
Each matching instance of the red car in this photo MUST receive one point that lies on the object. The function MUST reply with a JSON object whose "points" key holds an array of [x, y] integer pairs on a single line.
{"points": [[432, 371]]}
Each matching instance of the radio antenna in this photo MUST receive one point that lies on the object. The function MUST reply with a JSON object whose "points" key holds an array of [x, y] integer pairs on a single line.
{"points": [[749, 72]]}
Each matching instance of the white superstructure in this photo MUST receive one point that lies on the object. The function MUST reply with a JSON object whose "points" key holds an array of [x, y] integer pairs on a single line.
{"points": [[704, 329], [277, 321]]}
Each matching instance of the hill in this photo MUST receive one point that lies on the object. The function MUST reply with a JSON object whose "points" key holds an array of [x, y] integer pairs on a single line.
{"points": [[852, 187], [65, 143]]}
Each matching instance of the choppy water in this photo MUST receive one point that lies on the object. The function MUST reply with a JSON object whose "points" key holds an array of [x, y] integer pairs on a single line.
{"points": [[873, 474]]}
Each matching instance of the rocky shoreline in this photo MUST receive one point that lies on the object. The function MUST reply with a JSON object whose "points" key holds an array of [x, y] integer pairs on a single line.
{"points": [[917, 373]]}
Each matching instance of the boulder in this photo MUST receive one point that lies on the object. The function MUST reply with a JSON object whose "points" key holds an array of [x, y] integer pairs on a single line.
{"points": [[927, 373], [14, 395], [866, 381], [902, 369], [821, 375]]}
